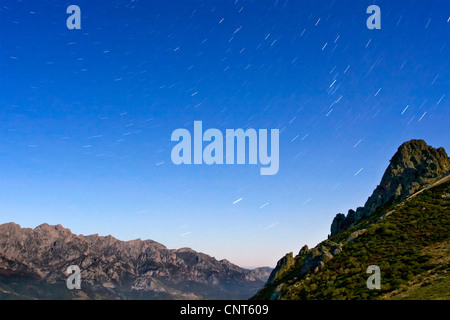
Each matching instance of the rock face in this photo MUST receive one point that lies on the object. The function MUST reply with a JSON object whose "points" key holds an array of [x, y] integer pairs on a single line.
{"points": [[308, 259], [282, 265], [118, 269], [414, 165]]}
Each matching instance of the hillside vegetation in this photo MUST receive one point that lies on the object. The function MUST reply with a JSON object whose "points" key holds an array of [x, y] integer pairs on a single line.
{"points": [[409, 241]]}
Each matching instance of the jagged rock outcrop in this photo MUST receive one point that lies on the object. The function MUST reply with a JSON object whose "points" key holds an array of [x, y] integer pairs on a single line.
{"points": [[414, 165], [123, 269], [282, 266], [309, 259]]}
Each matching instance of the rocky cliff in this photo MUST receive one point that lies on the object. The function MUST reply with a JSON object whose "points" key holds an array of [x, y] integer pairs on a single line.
{"points": [[414, 166]]}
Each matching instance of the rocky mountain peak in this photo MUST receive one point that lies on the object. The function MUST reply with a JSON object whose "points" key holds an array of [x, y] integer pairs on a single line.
{"points": [[414, 161], [414, 166]]}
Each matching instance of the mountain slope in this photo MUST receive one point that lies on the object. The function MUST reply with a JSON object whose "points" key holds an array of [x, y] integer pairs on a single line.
{"points": [[406, 234], [33, 262]]}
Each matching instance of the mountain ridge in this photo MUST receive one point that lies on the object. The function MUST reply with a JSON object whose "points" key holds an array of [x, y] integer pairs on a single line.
{"points": [[414, 165], [113, 268], [398, 232]]}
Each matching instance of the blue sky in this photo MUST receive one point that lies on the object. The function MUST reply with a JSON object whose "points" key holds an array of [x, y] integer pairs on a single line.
{"points": [[86, 115]]}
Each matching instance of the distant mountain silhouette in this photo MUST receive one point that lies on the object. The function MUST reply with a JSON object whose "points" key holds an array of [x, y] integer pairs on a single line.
{"points": [[33, 263]]}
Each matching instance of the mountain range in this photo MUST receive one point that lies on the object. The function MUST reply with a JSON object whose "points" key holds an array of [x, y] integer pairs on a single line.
{"points": [[33, 263], [403, 228]]}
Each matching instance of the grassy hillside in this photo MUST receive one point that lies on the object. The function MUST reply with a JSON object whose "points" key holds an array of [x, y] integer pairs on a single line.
{"points": [[409, 241]]}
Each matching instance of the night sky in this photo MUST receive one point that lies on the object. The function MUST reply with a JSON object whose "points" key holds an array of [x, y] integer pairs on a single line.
{"points": [[86, 116]]}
